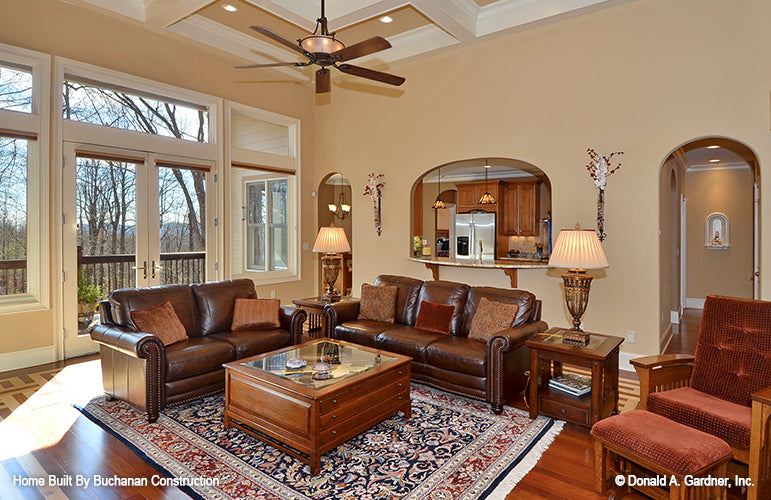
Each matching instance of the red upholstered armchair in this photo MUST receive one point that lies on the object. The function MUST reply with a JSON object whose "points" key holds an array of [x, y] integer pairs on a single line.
{"points": [[725, 388]]}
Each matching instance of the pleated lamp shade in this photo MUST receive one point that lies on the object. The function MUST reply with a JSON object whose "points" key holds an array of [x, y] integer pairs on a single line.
{"points": [[331, 239], [578, 249]]}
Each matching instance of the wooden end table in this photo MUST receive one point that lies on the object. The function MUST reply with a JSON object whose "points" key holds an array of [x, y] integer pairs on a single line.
{"points": [[314, 306], [600, 356]]}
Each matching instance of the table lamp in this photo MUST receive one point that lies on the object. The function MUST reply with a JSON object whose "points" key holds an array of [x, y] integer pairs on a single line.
{"points": [[331, 241], [577, 250]]}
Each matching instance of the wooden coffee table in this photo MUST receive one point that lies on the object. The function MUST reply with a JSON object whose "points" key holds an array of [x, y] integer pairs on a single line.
{"points": [[305, 417]]}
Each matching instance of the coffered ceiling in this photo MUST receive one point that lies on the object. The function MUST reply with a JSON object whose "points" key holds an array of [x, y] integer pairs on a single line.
{"points": [[417, 27]]}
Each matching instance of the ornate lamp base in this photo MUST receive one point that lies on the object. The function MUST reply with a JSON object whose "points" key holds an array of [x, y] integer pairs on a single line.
{"points": [[577, 284], [330, 263]]}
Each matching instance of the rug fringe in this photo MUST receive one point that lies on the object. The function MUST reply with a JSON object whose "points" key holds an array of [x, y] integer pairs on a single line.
{"points": [[527, 463]]}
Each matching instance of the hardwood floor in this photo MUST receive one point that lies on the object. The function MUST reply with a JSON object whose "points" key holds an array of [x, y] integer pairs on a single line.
{"points": [[41, 434], [685, 334]]}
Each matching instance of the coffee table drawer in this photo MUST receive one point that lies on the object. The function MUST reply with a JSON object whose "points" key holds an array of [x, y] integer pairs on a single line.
{"points": [[355, 422], [355, 407], [397, 378], [271, 405]]}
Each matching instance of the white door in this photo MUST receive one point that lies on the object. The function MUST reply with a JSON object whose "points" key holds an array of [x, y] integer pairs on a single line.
{"points": [[130, 220]]}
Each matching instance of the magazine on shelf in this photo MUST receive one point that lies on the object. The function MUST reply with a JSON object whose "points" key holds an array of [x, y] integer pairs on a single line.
{"points": [[576, 385]]}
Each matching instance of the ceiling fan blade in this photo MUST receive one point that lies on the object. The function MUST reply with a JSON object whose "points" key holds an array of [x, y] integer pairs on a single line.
{"points": [[371, 74], [267, 65], [278, 38], [370, 46], [323, 83]]}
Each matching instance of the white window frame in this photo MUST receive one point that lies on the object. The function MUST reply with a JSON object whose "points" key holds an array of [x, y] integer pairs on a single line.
{"points": [[35, 122], [288, 163], [266, 226]]}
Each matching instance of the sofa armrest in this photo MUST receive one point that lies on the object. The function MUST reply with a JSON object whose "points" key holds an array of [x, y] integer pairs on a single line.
{"points": [[292, 319], [127, 340], [511, 338], [336, 313], [661, 373]]}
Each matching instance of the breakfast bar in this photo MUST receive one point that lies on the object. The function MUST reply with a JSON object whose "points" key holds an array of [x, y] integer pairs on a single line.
{"points": [[509, 266]]}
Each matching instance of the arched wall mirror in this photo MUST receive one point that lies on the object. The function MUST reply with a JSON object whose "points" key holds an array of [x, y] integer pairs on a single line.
{"points": [[491, 208], [335, 207]]}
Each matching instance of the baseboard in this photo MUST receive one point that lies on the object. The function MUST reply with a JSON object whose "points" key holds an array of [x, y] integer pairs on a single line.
{"points": [[691, 303], [624, 359], [30, 357]]}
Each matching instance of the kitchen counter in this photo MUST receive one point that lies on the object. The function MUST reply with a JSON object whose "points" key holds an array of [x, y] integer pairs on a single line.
{"points": [[509, 266]]}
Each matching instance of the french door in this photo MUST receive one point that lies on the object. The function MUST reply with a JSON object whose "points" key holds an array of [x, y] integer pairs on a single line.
{"points": [[131, 219]]}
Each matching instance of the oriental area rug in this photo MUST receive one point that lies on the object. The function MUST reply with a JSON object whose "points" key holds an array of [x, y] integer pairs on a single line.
{"points": [[452, 447]]}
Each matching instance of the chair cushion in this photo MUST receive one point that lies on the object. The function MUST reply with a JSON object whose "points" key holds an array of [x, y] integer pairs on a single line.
{"points": [[378, 303], [361, 331], [490, 317], [162, 321], [458, 354], [252, 342], [216, 301], [435, 317], [673, 446], [721, 418], [196, 356], [408, 341], [251, 314], [733, 357]]}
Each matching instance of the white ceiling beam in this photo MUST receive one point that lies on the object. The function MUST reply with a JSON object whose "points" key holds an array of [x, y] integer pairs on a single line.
{"points": [[507, 14], [457, 17], [356, 12], [221, 37], [135, 9], [298, 12], [164, 13], [410, 43]]}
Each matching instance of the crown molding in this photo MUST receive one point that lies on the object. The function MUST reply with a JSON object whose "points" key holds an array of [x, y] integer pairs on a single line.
{"points": [[703, 167]]}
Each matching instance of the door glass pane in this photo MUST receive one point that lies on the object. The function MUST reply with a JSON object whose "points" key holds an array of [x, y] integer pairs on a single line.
{"points": [[279, 248], [278, 202], [13, 216], [106, 231], [255, 248], [182, 210]]}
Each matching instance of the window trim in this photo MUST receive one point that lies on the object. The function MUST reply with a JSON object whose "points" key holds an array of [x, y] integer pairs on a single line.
{"points": [[35, 123], [289, 165]]}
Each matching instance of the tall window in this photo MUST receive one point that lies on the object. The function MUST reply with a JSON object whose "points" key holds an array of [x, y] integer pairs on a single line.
{"points": [[267, 245], [264, 203], [23, 180]]}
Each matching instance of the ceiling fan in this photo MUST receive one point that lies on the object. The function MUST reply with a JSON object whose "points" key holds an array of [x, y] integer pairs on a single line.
{"points": [[323, 49]]}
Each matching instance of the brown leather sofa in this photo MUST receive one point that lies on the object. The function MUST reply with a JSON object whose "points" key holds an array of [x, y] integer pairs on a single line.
{"points": [[138, 368], [493, 372]]}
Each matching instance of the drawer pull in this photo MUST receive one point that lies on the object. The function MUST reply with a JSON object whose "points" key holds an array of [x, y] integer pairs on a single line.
{"points": [[399, 398], [334, 417], [400, 372], [334, 432], [562, 410], [400, 385], [334, 401]]}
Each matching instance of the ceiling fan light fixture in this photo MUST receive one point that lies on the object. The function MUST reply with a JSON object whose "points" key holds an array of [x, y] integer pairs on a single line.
{"points": [[321, 44]]}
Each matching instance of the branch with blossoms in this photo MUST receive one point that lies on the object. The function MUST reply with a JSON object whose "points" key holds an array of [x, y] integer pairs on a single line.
{"points": [[374, 184], [600, 167]]}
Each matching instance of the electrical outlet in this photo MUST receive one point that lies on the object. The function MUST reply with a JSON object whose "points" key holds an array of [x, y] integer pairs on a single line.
{"points": [[631, 337], [272, 294], [305, 245]]}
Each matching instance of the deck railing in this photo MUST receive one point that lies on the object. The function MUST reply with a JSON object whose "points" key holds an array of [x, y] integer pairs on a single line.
{"points": [[110, 272]]}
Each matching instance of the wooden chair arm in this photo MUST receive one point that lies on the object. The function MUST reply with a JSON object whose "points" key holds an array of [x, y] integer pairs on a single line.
{"points": [[662, 373], [760, 449]]}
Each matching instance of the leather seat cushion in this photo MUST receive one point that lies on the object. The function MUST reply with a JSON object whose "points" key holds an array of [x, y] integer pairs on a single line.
{"points": [[408, 341], [458, 354], [361, 331], [728, 421], [196, 356], [252, 342]]}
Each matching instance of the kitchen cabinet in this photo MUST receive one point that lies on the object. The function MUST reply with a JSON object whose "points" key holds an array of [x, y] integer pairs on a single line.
{"points": [[520, 208], [470, 192]]}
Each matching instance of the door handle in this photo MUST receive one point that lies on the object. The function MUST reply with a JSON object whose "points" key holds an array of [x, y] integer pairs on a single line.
{"points": [[154, 268], [143, 268], [754, 275]]}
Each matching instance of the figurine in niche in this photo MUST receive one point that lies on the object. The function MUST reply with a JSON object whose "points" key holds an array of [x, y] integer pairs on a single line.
{"points": [[716, 240]]}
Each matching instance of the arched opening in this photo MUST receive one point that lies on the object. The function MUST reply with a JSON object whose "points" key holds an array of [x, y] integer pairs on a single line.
{"points": [[515, 226], [709, 196], [335, 206]]}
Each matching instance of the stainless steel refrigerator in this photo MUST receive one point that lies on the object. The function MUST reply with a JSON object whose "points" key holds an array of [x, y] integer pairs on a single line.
{"points": [[475, 236]]}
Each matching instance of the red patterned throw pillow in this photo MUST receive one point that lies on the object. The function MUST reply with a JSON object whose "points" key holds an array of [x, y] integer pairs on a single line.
{"points": [[378, 303], [435, 317], [491, 317], [251, 314], [162, 321]]}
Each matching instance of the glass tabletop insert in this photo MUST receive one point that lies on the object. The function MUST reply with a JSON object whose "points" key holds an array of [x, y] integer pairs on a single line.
{"points": [[319, 364]]}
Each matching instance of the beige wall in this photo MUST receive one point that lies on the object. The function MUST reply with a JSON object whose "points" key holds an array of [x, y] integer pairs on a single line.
{"points": [[627, 78], [59, 29], [720, 272]]}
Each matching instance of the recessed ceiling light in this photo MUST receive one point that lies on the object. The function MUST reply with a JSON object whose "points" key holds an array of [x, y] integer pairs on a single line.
{"points": [[230, 8], [386, 19], [714, 146], [714, 161]]}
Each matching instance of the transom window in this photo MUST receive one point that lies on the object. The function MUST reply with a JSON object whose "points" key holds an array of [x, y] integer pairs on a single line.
{"points": [[15, 87]]}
